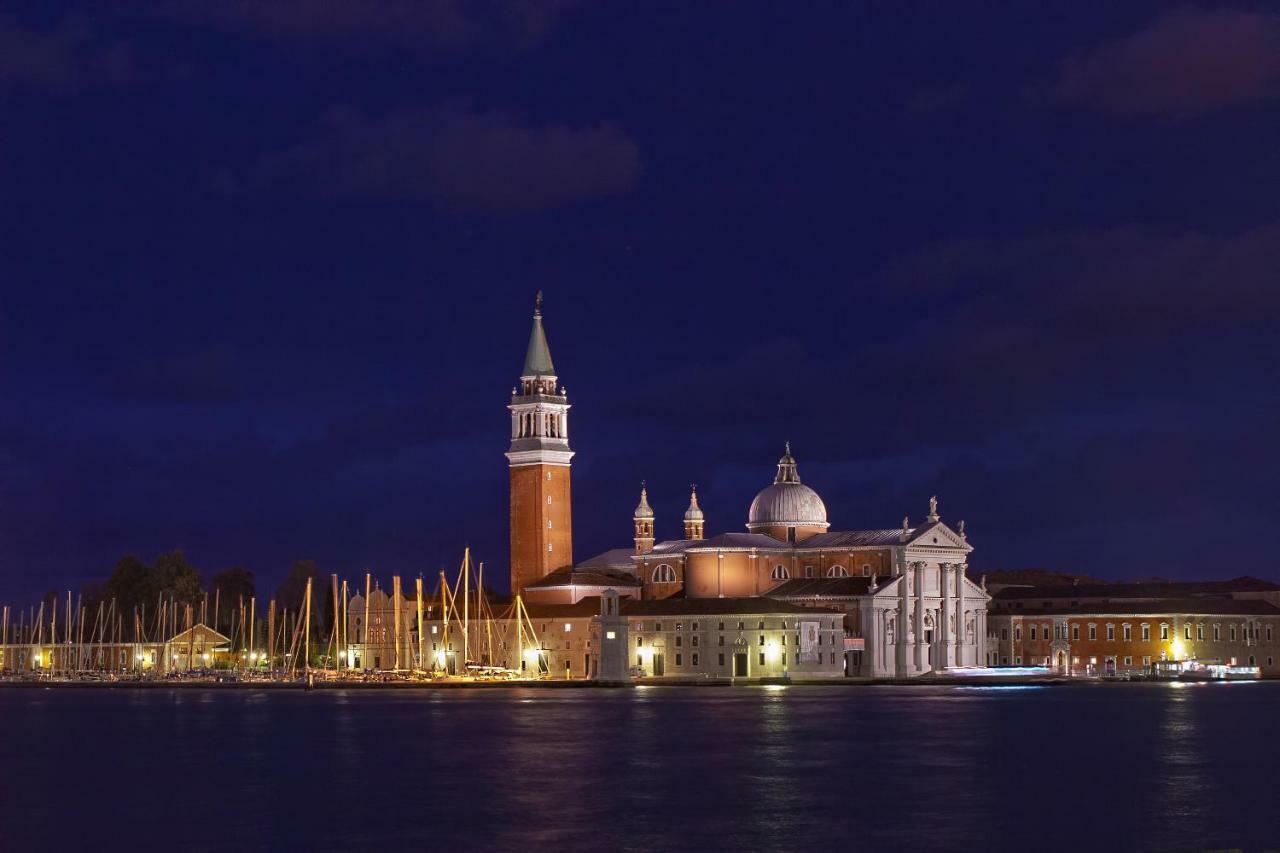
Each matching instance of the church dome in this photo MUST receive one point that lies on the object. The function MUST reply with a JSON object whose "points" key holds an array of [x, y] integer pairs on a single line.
{"points": [[788, 505], [788, 502]]}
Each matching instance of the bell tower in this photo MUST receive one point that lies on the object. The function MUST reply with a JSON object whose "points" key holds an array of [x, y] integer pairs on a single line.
{"points": [[541, 517]]}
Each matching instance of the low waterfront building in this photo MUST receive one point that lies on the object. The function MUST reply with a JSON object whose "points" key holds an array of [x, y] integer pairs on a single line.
{"points": [[671, 639], [1128, 627]]}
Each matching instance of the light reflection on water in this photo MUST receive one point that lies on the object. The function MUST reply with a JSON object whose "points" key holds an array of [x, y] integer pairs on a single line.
{"points": [[777, 768]]}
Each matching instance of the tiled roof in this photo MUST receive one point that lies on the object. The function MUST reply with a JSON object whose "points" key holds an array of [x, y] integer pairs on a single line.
{"points": [[810, 587], [1167, 589], [711, 607], [1204, 606], [585, 577], [855, 538], [615, 558]]}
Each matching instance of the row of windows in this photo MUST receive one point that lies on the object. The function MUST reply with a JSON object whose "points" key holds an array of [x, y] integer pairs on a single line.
{"points": [[693, 626], [694, 640], [664, 573], [1059, 632], [831, 658]]}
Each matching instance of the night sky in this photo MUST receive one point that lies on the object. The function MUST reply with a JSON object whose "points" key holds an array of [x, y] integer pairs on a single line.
{"points": [[267, 274]]}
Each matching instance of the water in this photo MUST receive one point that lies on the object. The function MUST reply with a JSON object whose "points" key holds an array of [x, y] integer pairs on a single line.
{"points": [[1085, 767]]}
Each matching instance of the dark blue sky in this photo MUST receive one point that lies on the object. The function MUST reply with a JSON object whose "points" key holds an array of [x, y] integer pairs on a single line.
{"points": [[267, 273]]}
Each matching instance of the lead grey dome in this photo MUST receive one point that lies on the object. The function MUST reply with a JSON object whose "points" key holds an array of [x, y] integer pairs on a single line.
{"points": [[788, 502], [789, 505]]}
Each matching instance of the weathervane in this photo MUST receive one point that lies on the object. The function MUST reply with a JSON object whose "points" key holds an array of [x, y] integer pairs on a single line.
{"points": [[537, 304]]}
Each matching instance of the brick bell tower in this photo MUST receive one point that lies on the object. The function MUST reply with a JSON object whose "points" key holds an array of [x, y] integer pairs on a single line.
{"points": [[541, 516]]}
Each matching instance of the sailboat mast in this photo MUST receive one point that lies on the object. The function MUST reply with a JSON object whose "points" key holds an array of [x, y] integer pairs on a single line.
{"points": [[337, 623], [368, 590], [306, 633], [466, 607], [396, 598], [421, 661], [253, 623]]}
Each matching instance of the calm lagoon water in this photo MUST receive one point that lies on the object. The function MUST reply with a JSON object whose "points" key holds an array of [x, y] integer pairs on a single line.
{"points": [[1083, 767]]}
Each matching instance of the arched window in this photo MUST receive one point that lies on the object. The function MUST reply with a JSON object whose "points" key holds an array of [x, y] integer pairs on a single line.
{"points": [[780, 573], [837, 572], [664, 574]]}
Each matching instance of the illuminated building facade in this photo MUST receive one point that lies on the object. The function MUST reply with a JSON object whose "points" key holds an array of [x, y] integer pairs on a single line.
{"points": [[907, 607], [1126, 628]]}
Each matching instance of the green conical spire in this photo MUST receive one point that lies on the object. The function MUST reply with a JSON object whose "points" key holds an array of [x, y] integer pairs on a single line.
{"points": [[537, 361]]}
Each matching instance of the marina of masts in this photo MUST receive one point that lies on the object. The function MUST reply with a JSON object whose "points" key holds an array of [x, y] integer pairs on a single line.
{"points": [[454, 633]]}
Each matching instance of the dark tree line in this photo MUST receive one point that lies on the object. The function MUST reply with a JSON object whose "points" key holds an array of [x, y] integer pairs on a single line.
{"points": [[137, 586]]}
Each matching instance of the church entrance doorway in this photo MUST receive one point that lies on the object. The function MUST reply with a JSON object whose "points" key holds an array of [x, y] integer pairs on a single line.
{"points": [[1062, 663], [740, 665]]}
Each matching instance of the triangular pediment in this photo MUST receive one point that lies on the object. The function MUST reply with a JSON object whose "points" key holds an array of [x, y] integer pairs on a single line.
{"points": [[200, 633], [937, 535]]}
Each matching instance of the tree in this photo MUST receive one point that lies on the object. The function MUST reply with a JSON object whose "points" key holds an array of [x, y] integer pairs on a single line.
{"points": [[233, 584], [176, 578], [291, 592], [132, 585]]}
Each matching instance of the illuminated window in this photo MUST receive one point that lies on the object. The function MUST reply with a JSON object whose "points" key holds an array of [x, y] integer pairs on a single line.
{"points": [[568, 627], [837, 572], [610, 635], [780, 573], [664, 574]]}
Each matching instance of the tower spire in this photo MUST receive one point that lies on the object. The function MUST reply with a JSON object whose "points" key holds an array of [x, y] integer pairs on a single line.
{"points": [[643, 520], [537, 359], [694, 520]]}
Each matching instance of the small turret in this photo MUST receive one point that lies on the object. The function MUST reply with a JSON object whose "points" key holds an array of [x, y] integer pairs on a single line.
{"points": [[643, 519], [694, 520]]}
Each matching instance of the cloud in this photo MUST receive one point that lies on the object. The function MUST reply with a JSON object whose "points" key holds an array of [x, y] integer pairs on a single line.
{"points": [[1186, 64], [65, 58], [458, 159], [437, 23]]}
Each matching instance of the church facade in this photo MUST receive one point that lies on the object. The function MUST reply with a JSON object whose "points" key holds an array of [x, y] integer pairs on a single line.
{"points": [[906, 604]]}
